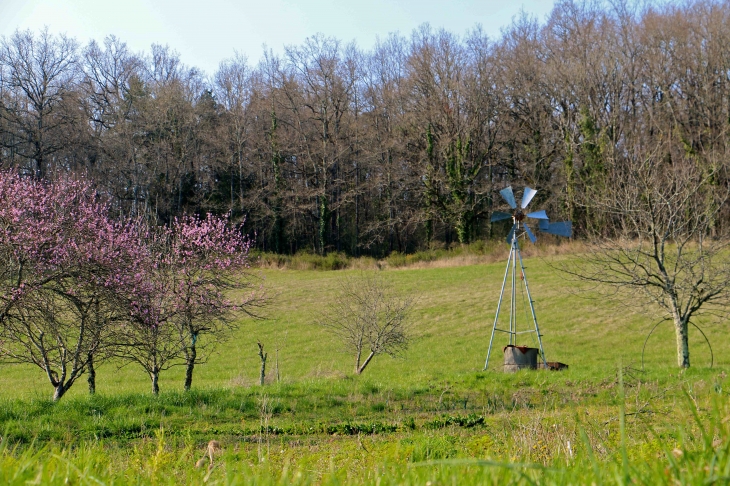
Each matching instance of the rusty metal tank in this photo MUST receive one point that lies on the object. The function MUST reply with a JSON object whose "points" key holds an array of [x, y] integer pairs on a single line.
{"points": [[519, 357]]}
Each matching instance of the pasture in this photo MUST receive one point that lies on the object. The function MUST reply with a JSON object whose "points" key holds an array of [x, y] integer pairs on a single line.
{"points": [[431, 417]]}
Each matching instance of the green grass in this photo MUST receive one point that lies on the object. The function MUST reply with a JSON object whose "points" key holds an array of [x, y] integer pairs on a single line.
{"points": [[431, 416]]}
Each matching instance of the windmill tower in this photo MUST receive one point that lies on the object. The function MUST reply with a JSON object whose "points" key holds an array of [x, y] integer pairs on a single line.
{"points": [[520, 229]]}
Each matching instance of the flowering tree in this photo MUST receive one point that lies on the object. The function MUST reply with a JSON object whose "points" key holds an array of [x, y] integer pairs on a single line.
{"points": [[77, 286], [150, 338], [195, 284], [207, 268], [63, 262]]}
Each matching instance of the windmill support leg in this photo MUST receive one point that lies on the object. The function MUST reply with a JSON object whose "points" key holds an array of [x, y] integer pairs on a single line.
{"points": [[513, 311], [532, 309], [499, 306]]}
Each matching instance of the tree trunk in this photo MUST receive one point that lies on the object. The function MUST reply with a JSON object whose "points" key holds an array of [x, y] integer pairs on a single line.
{"points": [[263, 356], [462, 229], [360, 369], [357, 361], [681, 327], [190, 365], [92, 376], [59, 391], [322, 223], [154, 376]]}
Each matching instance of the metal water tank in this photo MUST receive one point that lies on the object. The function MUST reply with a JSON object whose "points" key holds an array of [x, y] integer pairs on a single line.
{"points": [[519, 357]]}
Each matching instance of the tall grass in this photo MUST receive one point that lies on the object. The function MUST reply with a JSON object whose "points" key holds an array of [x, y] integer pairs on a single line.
{"points": [[693, 451]]}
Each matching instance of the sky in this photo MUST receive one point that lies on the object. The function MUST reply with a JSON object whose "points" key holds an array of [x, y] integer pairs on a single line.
{"points": [[206, 32]]}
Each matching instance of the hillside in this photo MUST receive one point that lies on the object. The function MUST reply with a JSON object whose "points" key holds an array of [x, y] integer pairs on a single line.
{"points": [[434, 404]]}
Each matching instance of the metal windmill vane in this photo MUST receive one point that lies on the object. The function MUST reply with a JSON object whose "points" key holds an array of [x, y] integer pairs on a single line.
{"points": [[518, 216]]}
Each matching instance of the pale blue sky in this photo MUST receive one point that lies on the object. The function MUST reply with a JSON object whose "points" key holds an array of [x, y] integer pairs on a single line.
{"points": [[205, 32]]}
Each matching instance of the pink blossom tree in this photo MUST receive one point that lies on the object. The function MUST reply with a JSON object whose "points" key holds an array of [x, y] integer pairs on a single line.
{"points": [[77, 286], [197, 283], [63, 263], [150, 338], [208, 264]]}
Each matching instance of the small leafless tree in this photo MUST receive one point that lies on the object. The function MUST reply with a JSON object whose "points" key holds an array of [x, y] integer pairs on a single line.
{"points": [[668, 244], [263, 356], [370, 318]]}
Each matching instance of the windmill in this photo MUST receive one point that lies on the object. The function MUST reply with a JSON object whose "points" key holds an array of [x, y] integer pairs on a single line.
{"points": [[518, 215]]}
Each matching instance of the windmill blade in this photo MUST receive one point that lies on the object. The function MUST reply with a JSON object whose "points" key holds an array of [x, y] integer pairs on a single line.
{"points": [[543, 224], [530, 235], [509, 196], [538, 215], [527, 196], [499, 216], [511, 233], [562, 228]]}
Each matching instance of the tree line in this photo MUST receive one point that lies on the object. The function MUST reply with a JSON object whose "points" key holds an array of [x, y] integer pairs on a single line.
{"points": [[329, 147]]}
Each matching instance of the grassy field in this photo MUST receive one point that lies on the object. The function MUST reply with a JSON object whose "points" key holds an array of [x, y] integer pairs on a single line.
{"points": [[432, 417]]}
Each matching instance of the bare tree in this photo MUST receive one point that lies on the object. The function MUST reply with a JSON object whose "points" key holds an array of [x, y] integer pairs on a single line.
{"points": [[664, 209], [385, 183], [110, 103], [233, 90], [38, 75], [370, 317]]}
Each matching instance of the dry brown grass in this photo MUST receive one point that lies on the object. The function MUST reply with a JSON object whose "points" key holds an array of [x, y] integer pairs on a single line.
{"points": [[448, 262], [500, 253], [457, 257]]}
